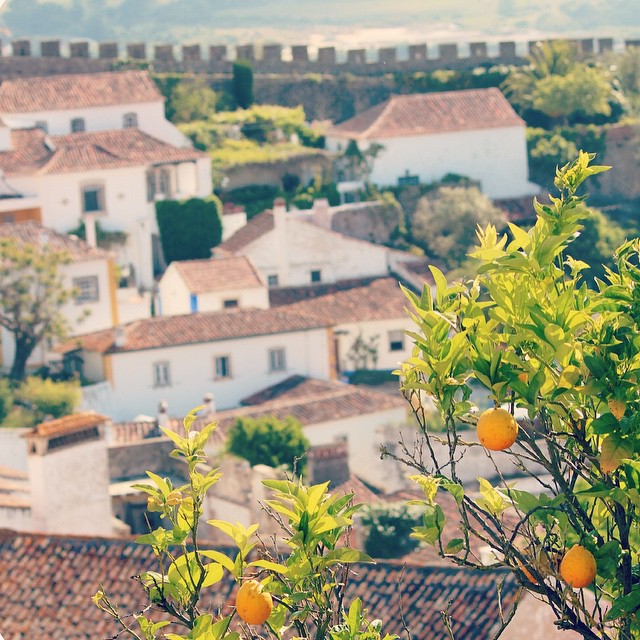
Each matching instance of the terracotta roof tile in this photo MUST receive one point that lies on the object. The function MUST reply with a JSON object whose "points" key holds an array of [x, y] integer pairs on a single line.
{"points": [[423, 113], [59, 92], [254, 229], [32, 233], [32, 151], [219, 274], [67, 424], [195, 328], [380, 299], [47, 582]]}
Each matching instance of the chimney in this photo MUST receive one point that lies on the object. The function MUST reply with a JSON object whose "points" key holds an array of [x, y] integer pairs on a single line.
{"points": [[120, 336], [329, 462], [281, 248], [163, 413], [209, 405], [321, 213], [69, 476], [90, 230], [5, 137]]}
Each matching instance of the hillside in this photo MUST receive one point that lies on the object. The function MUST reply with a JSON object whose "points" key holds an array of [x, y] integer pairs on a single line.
{"points": [[348, 24]]}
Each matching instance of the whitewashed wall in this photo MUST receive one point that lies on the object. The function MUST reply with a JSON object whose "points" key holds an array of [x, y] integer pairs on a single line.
{"points": [[193, 374], [295, 248], [495, 157], [151, 120]]}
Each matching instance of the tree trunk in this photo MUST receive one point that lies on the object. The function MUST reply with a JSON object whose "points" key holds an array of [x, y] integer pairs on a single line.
{"points": [[24, 348]]}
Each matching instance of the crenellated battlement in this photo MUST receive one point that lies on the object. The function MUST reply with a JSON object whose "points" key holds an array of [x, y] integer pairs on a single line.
{"points": [[51, 56]]}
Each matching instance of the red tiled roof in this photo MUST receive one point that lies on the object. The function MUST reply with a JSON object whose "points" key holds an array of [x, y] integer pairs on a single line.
{"points": [[47, 583], [32, 233], [219, 274], [379, 299], [33, 151], [67, 424], [195, 328], [422, 113], [78, 91], [254, 229]]}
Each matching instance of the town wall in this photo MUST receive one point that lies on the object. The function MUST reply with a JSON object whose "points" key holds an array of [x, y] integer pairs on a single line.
{"points": [[28, 58]]}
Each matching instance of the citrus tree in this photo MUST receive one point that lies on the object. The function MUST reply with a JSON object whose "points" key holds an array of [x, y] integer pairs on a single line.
{"points": [[293, 587], [560, 365]]}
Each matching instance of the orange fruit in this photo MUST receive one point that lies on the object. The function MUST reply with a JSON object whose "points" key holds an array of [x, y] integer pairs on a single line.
{"points": [[253, 604], [578, 567], [497, 429], [617, 408]]}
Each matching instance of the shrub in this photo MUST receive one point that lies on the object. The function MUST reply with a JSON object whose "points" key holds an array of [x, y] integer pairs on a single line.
{"points": [[189, 229], [268, 441], [389, 527], [49, 398], [6, 399], [242, 83]]}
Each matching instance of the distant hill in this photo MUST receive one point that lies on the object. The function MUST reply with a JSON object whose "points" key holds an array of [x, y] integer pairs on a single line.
{"points": [[342, 22]]}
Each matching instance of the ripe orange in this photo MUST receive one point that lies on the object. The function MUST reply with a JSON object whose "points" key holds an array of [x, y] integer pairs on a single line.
{"points": [[497, 429], [253, 604], [617, 408], [578, 567]]}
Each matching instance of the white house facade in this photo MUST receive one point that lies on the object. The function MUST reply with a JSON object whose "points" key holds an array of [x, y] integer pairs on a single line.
{"points": [[89, 274], [179, 359], [111, 177], [424, 137], [215, 284], [63, 104]]}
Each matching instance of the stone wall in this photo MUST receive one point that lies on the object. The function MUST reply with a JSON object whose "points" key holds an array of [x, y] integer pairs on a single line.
{"points": [[55, 56]]}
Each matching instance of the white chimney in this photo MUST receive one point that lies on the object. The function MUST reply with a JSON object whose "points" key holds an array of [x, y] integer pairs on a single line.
{"points": [[163, 413], [281, 245], [90, 230], [321, 213], [120, 336], [5, 137], [209, 402]]}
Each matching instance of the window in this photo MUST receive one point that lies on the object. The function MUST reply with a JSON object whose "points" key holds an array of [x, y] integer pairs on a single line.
{"points": [[41, 124], [277, 360], [396, 340], [161, 374], [223, 367], [193, 302], [77, 125], [130, 120], [316, 275], [272, 280], [92, 198], [158, 185], [86, 289], [230, 304]]}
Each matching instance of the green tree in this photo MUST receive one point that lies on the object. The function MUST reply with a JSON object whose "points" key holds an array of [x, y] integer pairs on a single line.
{"points": [[49, 398], [389, 529], [6, 399], [268, 441], [527, 333], [194, 100], [189, 229], [445, 221], [32, 293], [242, 83], [307, 582]]}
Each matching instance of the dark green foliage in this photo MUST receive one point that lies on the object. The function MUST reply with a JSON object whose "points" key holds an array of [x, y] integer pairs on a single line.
{"points": [[389, 527], [191, 101], [242, 83], [167, 82], [290, 182], [6, 399], [268, 441], [189, 229], [48, 398], [441, 80], [310, 138], [255, 198]]}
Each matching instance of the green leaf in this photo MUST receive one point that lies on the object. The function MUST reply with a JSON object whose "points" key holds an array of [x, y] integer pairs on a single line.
{"points": [[454, 546], [624, 605], [219, 557], [214, 573], [346, 555], [492, 500], [270, 566]]}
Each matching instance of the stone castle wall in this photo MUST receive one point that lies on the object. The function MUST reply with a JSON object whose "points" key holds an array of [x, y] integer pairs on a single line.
{"points": [[54, 56]]}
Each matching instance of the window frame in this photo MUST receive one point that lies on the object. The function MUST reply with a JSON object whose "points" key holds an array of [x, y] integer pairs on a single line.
{"points": [[272, 280], [161, 374], [86, 295], [130, 120], [316, 275], [230, 303], [78, 125], [396, 339], [225, 372], [277, 359], [98, 188]]}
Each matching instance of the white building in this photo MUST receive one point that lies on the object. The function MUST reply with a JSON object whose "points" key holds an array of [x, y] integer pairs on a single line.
{"points": [[90, 273], [424, 137], [290, 251], [178, 359], [63, 104], [110, 177], [216, 284]]}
